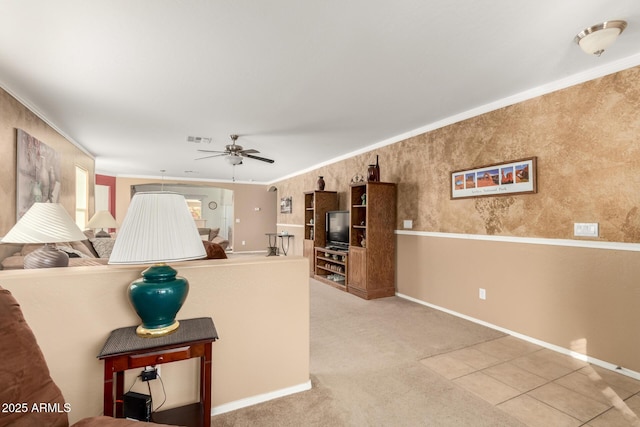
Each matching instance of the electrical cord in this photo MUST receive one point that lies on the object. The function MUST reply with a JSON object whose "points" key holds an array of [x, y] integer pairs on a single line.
{"points": [[150, 395], [134, 382], [163, 392]]}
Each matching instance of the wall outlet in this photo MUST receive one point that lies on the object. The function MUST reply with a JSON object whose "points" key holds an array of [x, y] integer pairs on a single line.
{"points": [[585, 229], [149, 373], [244, 242], [408, 224], [482, 293], [157, 368]]}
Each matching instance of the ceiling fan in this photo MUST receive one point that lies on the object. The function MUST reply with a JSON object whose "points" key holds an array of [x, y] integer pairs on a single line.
{"points": [[235, 153]]}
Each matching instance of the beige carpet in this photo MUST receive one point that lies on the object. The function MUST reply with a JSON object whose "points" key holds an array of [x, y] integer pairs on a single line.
{"points": [[392, 362], [366, 369]]}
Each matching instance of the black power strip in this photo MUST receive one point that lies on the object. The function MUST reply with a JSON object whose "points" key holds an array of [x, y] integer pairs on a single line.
{"points": [[149, 374]]}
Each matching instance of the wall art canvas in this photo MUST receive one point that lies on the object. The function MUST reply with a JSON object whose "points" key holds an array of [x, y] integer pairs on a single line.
{"points": [[38, 173], [517, 176], [285, 205]]}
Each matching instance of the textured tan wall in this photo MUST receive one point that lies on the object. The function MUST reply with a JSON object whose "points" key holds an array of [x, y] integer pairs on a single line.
{"points": [[13, 116], [586, 141]]}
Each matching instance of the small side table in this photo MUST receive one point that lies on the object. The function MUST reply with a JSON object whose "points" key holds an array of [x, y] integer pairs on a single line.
{"points": [[282, 237], [125, 350], [272, 249]]}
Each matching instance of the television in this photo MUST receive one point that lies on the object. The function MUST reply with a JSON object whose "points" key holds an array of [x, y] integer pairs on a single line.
{"points": [[337, 227]]}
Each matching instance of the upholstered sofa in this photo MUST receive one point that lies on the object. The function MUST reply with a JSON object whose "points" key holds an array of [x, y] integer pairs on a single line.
{"points": [[80, 253], [28, 395], [93, 251], [96, 251]]}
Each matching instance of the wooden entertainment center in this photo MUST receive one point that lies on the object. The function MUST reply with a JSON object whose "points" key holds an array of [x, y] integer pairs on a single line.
{"points": [[316, 205], [332, 267], [367, 269]]}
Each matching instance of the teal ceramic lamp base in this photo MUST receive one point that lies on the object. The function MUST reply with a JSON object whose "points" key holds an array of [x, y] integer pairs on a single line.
{"points": [[157, 297]]}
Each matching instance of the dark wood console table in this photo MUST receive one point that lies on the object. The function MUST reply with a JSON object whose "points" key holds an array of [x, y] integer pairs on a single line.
{"points": [[125, 350]]}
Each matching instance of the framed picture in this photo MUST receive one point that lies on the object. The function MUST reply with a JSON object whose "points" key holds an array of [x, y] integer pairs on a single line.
{"points": [[285, 205], [517, 176], [38, 173]]}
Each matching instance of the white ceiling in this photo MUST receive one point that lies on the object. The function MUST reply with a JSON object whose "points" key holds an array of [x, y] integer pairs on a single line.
{"points": [[303, 82]]}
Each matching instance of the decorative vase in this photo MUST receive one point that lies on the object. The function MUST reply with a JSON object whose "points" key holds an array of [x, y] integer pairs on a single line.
{"points": [[320, 183], [373, 172]]}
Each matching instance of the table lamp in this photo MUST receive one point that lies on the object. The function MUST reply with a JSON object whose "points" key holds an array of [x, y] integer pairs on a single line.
{"points": [[45, 223], [102, 220], [158, 228]]}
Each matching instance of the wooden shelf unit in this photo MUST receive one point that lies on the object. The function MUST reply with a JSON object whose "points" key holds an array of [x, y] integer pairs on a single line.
{"points": [[316, 205], [331, 263], [372, 271]]}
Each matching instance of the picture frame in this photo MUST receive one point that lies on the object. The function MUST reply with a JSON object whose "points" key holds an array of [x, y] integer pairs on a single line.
{"points": [[498, 179], [38, 177], [285, 205]]}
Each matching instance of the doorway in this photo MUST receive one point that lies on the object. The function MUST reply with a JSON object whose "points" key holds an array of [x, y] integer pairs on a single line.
{"points": [[211, 207]]}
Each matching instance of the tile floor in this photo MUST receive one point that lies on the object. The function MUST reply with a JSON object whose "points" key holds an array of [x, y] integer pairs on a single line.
{"points": [[541, 387]]}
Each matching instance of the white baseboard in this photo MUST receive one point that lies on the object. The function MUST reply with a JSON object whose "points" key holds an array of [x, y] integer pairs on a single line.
{"points": [[562, 350], [243, 403]]}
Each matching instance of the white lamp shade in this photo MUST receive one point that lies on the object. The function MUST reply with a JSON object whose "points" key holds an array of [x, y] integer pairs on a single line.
{"points": [[102, 219], [45, 223], [158, 227]]}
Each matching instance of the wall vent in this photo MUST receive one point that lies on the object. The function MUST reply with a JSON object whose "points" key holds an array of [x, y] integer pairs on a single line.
{"points": [[199, 139]]}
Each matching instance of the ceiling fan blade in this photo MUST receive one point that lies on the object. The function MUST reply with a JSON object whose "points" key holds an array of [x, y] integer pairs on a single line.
{"points": [[214, 155], [249, 151], [211, 151], [263, 159]]}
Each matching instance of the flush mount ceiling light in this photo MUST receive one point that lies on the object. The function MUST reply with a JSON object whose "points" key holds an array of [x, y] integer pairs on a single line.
{"points": [[594, 40]]}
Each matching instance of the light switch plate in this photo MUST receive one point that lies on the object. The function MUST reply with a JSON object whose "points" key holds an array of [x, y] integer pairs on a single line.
{"points": [[585, 229]]}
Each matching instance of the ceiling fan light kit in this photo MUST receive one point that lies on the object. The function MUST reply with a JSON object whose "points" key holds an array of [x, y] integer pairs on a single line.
{"points": [[595, 39], [234, 159]]}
